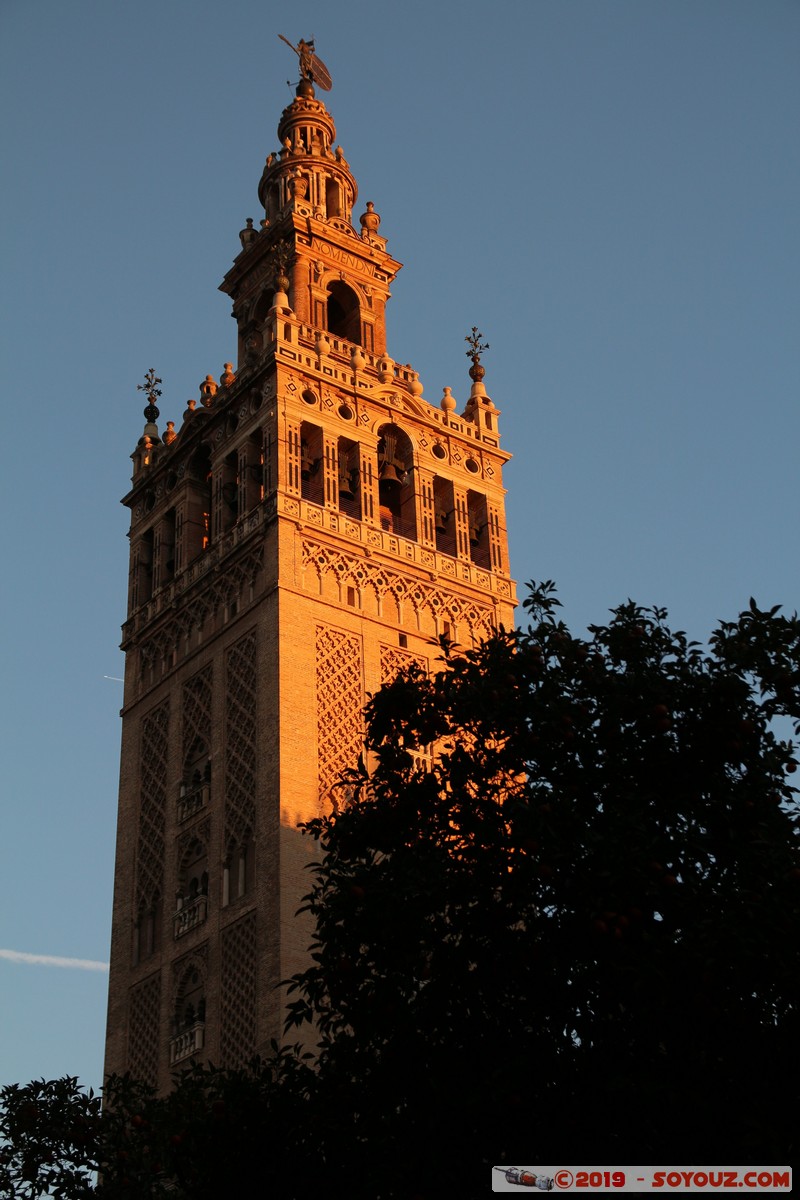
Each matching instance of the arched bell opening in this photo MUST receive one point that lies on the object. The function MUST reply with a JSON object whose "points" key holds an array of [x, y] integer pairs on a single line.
{"points": [[198, 525], [166, 548], [251, 472], [396, 494], [227, 497], [349, 465], [333, 198], [343, 312], [478, 520], [142, 570], [444, 516], [312, 473], [262, 306], [272, 204]]}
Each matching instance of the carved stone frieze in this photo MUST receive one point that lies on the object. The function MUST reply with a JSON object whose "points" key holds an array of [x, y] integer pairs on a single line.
{"points": [[163, 647]]}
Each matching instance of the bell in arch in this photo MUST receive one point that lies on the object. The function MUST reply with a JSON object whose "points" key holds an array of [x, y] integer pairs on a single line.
{"points": [[388, 476], [388, 463], [308, 464], [346, 480]]}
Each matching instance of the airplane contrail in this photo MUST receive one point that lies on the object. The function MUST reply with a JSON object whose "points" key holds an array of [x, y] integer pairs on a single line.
{"points": [[115, 678], [52, 960]]}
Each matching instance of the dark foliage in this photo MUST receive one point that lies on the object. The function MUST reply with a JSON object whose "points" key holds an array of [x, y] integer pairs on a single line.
{"points": [[574, 936], [557, 919], [218, 1133]]}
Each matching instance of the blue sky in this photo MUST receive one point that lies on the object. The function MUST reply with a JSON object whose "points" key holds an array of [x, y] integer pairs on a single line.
{"points": [[608, 189]]}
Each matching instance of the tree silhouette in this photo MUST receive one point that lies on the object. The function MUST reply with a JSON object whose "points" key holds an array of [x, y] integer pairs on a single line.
{"points": [[576, 933], [557, 914]]}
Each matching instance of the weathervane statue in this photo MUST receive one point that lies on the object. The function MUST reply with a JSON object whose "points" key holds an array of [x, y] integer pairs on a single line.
{"points": [[311, 68]]}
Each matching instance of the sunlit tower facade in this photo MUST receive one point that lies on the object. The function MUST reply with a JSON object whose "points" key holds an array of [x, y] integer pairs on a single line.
{"points": [[312, 526]]}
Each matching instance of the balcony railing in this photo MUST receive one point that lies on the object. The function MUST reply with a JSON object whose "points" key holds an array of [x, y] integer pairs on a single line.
{"points": [[191, 914], [187, 1043]]}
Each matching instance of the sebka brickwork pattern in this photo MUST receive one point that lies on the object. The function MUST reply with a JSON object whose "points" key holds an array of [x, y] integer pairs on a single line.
{"points": [[238, 993], [393, 661], [340, 726], [150, 842], [197, 715], [143, 1027], [240, 740]]}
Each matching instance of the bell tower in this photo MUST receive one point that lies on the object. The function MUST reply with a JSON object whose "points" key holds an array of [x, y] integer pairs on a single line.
{"points": [[312, 525]]}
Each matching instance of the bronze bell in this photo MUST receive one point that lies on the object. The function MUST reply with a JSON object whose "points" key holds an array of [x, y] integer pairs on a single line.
{"points": [[308, 464], [345, 486], [388, 477]]}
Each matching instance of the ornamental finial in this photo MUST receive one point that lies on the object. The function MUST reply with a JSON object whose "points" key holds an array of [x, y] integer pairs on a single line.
{"points": [[476, 348], [153, 391], [280, 255]]}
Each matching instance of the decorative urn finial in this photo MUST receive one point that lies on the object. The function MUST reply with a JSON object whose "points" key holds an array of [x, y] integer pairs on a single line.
{"points": [[370, 222], [248, 235]]}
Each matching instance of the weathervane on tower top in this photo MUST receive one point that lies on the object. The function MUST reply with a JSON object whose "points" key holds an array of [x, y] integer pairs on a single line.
{"points": [[311, 68]]}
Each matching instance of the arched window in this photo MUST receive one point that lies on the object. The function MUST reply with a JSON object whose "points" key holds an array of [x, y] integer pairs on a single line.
{"points": [[196, 782], [191, 900], [189, 1017], [396, 482], [238, 871], [147, 930], [333, 198], [344, 316]]}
